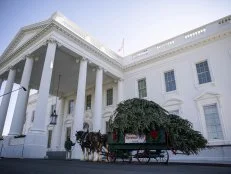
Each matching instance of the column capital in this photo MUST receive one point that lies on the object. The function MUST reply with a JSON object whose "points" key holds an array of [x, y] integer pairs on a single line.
{"points": [[84, 59], [99, 68], [29, 56], [118, 80], [10, 68], [53, 40]]}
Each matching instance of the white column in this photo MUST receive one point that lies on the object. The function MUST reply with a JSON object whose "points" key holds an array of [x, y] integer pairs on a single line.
{"points": [[79, 106], [44, 88], [80, 99], [22, 99], [57, 131], [6, 98], [120, 91], [36, 139], [98, 100]]}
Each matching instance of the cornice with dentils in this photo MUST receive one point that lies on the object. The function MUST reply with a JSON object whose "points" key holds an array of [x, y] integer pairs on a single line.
{"points": [[58, 27]]}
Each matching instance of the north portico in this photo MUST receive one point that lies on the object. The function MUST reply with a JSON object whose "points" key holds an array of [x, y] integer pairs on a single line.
{"points": [[35, 58], [187, 75]]}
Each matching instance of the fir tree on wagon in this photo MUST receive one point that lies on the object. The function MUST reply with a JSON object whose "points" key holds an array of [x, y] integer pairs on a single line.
{"points": [[140, 116]]}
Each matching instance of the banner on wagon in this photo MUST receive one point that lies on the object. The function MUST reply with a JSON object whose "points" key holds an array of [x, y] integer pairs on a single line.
{"points": [[133, 138]]}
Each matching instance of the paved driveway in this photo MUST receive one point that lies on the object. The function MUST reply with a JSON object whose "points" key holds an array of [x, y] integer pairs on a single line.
{"points": [[28, 166]]}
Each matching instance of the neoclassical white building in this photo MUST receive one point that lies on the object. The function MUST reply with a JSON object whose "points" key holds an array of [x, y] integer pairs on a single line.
{"points": [[187, 75]]}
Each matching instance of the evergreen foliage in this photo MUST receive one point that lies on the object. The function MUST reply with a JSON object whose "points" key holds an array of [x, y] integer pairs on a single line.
{"points": [[140, 116]]}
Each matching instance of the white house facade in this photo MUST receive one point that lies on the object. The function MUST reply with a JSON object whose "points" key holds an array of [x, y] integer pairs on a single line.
{"points": [[84, 81]]}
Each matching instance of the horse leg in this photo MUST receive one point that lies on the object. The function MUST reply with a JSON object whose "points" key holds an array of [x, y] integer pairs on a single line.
{"points": [[84, 154], [87, 154], [100, 152], [82, 158], [92, 154], [99, 156], [95, 155]]}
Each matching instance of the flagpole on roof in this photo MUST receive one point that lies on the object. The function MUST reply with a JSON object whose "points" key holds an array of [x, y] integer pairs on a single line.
{"points": [[122, 47]]}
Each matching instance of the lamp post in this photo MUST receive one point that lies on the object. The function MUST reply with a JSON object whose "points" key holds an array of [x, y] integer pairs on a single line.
{"points": [[53, 114], [53, 118]]}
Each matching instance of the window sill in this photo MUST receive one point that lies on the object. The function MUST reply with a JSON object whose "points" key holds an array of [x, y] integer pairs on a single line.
{"points": [[175, 92], [216, 142], [204, 85]]}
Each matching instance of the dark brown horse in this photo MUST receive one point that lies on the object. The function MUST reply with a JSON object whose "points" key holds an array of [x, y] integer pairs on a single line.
{"points": [[90, 144]]}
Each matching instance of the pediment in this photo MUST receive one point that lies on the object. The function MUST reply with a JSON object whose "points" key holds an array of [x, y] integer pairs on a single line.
{"points": [[172, 101], [207, 95], [24, 35]]}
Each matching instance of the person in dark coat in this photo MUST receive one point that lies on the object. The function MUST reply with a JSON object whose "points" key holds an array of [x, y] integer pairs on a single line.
{"points": [[68, 144]]}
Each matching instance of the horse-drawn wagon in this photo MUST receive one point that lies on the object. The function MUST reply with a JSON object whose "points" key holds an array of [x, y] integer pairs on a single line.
{"points": [[143, 130], [143, 147]]}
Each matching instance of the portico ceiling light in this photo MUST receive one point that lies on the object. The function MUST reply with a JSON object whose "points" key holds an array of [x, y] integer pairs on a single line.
{"points": [[53, 114]]}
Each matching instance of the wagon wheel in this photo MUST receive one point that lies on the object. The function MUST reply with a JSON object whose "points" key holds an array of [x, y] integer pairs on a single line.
{"points": [[143, 155], [127, 157], [163, 157], [111, 156]]}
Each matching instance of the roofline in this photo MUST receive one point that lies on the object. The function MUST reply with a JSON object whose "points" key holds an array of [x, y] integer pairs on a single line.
{"points": [[174, 37]]}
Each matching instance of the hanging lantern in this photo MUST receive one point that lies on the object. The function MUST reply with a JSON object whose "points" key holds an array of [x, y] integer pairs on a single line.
{"points": [[53, 114], [53, 118]]}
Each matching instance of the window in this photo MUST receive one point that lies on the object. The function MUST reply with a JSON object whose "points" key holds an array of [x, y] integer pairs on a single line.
{"points": [[203, 72], [68, 132], [170, 83], [49, 138], [52, 108], [212, 120], [109, 97], [88, 102], [107, 127], [142, 88], [32, 117], [174, 112], [71, 106]]}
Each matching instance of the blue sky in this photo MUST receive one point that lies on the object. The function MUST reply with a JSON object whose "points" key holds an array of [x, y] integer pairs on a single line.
{"points": [[141, 22]]}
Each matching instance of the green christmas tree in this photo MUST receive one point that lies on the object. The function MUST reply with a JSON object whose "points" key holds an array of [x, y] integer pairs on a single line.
{"points": [[139, 116]]}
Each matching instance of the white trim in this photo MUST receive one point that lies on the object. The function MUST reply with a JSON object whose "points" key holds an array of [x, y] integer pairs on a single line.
{"points": [[137, 88], [208, 100], [195, 75], [163, 84]]}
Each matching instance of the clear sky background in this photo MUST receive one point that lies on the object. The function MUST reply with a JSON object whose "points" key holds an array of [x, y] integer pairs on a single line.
{"points": [[141, 23]]}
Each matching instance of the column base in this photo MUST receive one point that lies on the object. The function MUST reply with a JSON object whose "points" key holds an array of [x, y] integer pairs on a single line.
{"points": [[35, 145], [12, 147]]}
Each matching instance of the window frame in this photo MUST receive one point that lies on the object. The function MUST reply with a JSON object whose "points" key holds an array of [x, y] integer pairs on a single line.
{"points": [[207, 99], [218, 116], [109, 104], [196, 80], [165, 82], [49, 138], [204, 72], [88, 107], [70, 111], [138, 90]]}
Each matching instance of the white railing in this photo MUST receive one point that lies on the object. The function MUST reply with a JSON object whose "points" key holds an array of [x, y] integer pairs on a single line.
{"points": [[218, 26]]}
